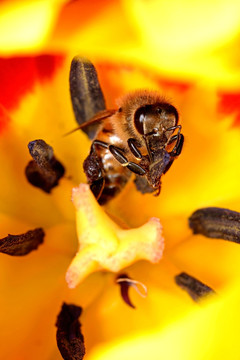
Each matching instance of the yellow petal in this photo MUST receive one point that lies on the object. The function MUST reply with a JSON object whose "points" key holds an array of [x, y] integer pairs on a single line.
{"points": [[209, 332], [186, 37], [25, 25]]}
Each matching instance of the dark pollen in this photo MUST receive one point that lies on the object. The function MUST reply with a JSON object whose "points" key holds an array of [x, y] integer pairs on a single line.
{"points": [[19, 245], [44, 171], [216, 223], [70, 340], [86, 93], [195, 288]]}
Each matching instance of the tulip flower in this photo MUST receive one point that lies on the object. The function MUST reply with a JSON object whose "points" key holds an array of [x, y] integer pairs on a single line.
{"points": [[94, 257]]}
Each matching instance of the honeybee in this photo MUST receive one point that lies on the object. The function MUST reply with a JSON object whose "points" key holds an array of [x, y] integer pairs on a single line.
{"points": [[135, 138], [141, 137]]}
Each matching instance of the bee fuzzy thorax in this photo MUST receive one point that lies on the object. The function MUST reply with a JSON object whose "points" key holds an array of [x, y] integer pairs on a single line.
{"points": [[137, 98]]}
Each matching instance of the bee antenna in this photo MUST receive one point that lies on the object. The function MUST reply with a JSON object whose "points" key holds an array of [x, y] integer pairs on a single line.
{"points": [[72, 131]]}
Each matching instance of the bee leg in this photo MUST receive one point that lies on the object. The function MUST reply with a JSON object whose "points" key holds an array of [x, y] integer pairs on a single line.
{"points": [[117, 153], [135, 168], [98, 143], [176, 150], [179, 138], [179, 145], [97, 187], [142, 185], [157, 193], [132, 144], [168, 166], [94, 171]]}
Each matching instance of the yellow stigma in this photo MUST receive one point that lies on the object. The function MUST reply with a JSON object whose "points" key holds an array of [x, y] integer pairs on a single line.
{"points": [[104, 245]]}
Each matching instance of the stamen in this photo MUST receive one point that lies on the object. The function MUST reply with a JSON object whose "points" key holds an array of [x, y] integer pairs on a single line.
{"points": [[216, 223], [86, 93], [19, 245], [195, 288], [44, 171], [70, 340], [125, 282]]}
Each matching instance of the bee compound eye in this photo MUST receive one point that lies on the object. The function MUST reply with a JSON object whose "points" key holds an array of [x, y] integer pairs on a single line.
{"points": [[139, 119]]}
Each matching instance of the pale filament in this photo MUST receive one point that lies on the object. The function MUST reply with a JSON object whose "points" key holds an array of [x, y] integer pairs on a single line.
{"points": [[140, 288]]}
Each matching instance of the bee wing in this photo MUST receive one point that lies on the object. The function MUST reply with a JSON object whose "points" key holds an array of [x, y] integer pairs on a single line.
{"points": [[86, 93], [101, 116]]}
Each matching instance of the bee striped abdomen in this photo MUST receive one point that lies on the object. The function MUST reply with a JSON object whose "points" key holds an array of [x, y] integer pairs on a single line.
{"points": [[102, 168]]}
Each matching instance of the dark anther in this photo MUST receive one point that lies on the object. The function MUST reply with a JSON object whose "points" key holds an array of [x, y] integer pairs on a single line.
{"points": [[70, 340], [19, 245], [44, 171], [86, 94], [195, 288], [216, 223], [125, 282]]}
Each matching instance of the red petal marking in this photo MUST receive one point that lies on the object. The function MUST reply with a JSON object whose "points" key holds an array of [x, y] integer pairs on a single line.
{"points": [[4, 118], [229, 103], [19, 74], [178, 85], [47, 65], [75, 15], [108, 71]]}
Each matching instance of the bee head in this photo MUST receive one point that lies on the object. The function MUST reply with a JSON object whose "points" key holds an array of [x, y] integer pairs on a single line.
{"points": [[155, 119]]}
